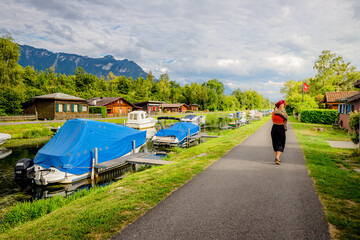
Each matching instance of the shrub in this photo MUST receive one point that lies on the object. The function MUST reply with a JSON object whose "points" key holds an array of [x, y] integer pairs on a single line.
{"points": [[95, 110], [35, 133], [354, 126], [322, 116]]}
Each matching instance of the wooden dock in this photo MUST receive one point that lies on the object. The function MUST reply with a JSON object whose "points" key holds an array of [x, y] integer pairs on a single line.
{"points": [[202, 135], [136, 158]]}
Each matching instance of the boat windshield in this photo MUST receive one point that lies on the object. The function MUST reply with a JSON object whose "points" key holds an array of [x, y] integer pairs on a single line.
{"points": [[190, 116], [131, 116]]}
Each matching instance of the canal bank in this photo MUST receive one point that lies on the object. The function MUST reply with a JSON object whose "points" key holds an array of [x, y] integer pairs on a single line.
{"points": [[103, 212]]}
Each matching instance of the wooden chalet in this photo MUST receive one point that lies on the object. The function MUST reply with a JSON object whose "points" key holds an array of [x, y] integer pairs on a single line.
{"points": [[331, 98], [57, 106], [348, 104], [193, 107], [114, 105], [174, 107], [151, 107]]}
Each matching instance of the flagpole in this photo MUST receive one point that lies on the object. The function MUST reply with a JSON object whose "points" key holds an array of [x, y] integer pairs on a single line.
{"points": [[303, 92]]}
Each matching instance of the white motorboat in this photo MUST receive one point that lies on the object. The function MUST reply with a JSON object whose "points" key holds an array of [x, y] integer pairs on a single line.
{"points": [[202, 119], [192, 118], [4, 137], [140, 120], [4, 152]]}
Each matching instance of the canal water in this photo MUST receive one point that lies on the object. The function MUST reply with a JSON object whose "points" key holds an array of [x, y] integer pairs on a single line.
{"points": [[11, 192]]}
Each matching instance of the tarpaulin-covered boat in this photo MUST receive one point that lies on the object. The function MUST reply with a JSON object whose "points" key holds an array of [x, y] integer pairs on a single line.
{"points": [[68, 156], [176, 135]]}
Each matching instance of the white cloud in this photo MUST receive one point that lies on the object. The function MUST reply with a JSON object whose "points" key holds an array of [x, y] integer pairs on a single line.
{"points": [[242, 43]]}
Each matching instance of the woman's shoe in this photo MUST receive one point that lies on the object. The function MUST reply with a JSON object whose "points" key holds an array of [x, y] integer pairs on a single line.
{"points": [[277, 161]]}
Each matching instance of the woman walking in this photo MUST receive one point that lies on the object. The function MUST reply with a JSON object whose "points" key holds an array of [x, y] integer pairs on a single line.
{"points": [[279, 118]]}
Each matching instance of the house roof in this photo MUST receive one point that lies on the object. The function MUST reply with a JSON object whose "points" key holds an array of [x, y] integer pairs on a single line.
{"points": [[103, 101], [332, 97], [196, 105], [172, 105], [350, 98], [59, 96], [158, 102]]}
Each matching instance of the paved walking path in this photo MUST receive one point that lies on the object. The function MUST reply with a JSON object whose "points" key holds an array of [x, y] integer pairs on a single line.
{"points": [[244, 195]]}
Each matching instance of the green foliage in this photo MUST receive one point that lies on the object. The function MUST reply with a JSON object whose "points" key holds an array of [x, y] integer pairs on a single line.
{"points": [[250, 99], [94, 110], [36, 133], [321, 116], [354, 126], [332, 72]]}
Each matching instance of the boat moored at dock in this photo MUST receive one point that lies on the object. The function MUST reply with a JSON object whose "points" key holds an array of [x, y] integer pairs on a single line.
{"points": [[72, 153], [140, 120], [177, 134], [4, 137]]}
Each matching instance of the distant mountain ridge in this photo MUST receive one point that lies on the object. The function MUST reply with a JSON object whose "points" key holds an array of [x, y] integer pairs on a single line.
{"points": [[42, 59]]}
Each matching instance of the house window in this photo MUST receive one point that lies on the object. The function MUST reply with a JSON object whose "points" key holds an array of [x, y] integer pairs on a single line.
{"points": [[61, 109], [84, 108], [128, 109], [121, 102], [75, 108], [108, 110], [68, 107], [120, 110]]}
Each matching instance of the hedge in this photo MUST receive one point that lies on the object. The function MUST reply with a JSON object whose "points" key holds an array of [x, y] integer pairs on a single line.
{"points": [[101, 110], [322, 116]]}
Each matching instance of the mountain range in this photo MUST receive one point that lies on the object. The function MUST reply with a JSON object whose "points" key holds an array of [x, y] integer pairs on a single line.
{"points": [[65, 63]]}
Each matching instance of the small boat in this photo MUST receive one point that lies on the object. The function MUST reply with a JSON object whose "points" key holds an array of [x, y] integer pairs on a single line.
{"points": [[70, 155], [231, 115], [4, 137], [4, 152], [202, 119], [177, 134], [192, 118], [140, 120]]}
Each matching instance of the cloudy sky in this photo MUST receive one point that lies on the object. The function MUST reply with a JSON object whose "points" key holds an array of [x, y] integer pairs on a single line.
{"points": [[245, 44]]}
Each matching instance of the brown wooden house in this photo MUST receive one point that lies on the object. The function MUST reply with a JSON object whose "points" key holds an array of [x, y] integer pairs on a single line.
{"points": [[57, 106], [150, 107], [174, 107], [114, 105], [348, 104], [193, 107], [330, 98]]}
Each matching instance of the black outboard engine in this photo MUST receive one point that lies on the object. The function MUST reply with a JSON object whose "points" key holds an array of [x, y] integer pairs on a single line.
{"points": [[24, 170]]}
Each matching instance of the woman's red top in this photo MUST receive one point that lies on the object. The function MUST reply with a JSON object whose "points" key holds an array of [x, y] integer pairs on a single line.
{"points": [[277, 119]]}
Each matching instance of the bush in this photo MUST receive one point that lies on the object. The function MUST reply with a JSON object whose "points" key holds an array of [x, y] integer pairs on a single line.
{"points": [[96, 110], [354, 126], [322, 116], [36, 133]]}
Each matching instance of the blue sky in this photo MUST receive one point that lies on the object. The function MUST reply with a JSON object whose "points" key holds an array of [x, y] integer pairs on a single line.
{"points": [[245, 44]]}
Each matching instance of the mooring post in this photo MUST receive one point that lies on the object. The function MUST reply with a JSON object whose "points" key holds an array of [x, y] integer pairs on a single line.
{"points": [[133, 146], [96, 162], [123, 121], [188, 138]]}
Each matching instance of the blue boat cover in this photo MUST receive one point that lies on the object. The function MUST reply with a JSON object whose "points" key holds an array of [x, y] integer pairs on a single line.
{"points": [[179, 130], [72, 148]]}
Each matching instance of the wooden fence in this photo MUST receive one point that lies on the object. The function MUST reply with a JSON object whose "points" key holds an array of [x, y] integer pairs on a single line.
{"points": [[18, 118]]}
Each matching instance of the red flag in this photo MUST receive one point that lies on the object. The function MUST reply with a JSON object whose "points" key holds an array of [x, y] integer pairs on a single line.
{"points": [[306, 87]]}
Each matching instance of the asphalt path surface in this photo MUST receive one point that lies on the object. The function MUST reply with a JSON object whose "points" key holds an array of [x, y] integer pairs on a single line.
{"points": [[243, 195]]}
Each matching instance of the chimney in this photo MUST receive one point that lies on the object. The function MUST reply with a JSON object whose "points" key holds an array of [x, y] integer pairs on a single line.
{"points": [[335, 89]]}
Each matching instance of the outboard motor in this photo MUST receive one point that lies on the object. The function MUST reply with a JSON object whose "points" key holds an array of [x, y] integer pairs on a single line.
{"points": [[24, 170]]}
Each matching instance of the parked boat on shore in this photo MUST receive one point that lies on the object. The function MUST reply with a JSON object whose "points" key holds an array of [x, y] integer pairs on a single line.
{"points": [[140, 120], [192, 118], [70, 155], [4, 137], [177, 134]]}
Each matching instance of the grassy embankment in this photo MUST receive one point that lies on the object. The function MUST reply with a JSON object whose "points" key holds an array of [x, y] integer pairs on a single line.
{"points": [[332, 170], [100, 213]]}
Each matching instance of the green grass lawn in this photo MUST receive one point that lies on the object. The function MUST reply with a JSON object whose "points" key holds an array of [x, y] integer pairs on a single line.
{"points": [[336, 181], [100, 213]]}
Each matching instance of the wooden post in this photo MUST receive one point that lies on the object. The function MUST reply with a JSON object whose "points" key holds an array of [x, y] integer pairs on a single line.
{"points": [[188, 138], [123, 121], [96, 162], [133, 146]]}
